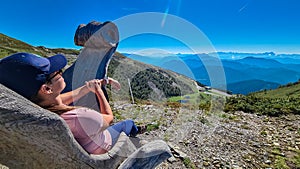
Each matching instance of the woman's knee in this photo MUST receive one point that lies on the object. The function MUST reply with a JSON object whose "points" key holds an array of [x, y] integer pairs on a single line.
{"points": [[129, 122]]}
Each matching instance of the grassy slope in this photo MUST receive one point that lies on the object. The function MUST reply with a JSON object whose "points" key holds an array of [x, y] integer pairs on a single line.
{"points": [[10, 45], [291, 90], [277, 102]]}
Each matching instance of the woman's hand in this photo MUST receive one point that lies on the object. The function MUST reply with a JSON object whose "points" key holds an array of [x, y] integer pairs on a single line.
{"points": [[94, 85]]}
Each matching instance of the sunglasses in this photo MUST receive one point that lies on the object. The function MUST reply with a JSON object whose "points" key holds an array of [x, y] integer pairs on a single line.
{"points": [[59, 72]]}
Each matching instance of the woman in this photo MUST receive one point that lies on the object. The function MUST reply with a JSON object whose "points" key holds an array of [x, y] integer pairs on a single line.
{"points": [[40, 80]]}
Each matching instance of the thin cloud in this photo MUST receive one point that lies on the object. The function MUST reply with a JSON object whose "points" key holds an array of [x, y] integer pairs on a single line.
{"points": [[243, 7]]}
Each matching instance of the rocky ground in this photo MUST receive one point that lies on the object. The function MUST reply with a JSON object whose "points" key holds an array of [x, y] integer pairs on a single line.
{"points": [[219, 140], [203, 139]]}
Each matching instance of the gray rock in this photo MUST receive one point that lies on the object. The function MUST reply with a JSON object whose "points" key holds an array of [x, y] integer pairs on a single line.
{"points": [[176, 151], [32, 137], [268, 162], [172, 159]]}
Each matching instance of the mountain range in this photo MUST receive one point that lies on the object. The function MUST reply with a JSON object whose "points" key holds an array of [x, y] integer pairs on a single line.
{"points": [[240, 73]]}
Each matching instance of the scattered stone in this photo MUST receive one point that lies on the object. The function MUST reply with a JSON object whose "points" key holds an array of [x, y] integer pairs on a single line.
{"points": [[256, 144], [268, 162], [176, 152], [172, 159], [248, 160], [216, 162], [205, 164], [236, 167]]}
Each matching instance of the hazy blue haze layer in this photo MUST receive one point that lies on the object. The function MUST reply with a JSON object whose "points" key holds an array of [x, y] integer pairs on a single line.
{"points": [[245, 72]]}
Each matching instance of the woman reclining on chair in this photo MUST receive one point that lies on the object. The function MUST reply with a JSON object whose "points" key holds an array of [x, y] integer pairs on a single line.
{"points": [[40, 80]]}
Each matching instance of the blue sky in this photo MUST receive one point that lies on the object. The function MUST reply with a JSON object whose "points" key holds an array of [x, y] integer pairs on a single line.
{"points": [[229, 25]]}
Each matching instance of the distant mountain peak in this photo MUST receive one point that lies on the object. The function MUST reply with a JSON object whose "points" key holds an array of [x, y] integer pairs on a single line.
{"points": [[263, 61]]}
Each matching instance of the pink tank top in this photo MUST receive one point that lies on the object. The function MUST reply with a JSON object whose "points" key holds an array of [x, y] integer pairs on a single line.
{"points": [[87, 128]]}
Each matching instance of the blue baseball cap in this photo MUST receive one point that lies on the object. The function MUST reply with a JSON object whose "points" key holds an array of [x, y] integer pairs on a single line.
{"points": [[25, 73]]}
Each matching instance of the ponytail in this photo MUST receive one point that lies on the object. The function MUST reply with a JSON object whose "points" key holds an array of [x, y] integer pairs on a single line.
{"points": [[58, 109]]}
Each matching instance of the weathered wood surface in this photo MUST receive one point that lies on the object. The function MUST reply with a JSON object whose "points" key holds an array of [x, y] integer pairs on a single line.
{"points": [[32, 137], [100, 41]]}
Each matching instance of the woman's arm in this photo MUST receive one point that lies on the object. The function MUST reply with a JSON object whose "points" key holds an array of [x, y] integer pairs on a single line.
{"points": [[72, 96], [95, 86]]}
